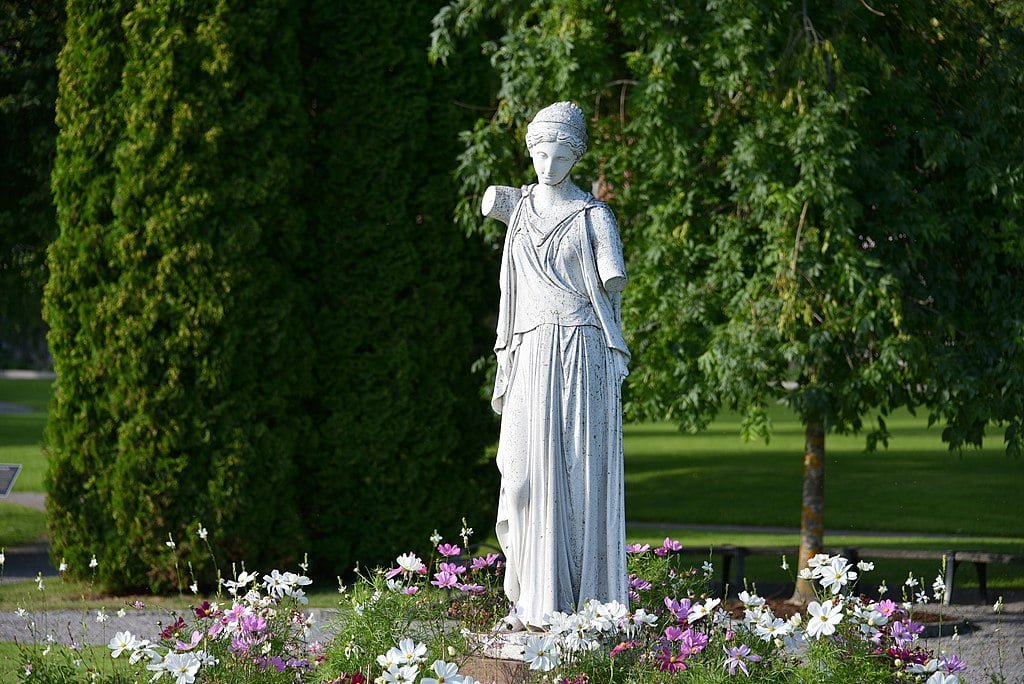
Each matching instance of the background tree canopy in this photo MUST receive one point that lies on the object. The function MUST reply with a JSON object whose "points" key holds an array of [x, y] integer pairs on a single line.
{"points": [[821, 202], [30, 36]]}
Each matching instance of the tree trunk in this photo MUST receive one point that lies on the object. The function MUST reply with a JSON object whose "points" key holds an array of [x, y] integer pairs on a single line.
{"points": [[812, 518]]}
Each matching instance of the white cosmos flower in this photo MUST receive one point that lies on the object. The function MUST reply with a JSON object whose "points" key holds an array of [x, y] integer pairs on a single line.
{"points": [[836, 574], [445, 673], [939, 588], [182, 666], [400, 674], [770, 627], [824, 619], [275, 583], [702, 610], [411, 652], [202, 532], [943, 678], [142, 649], [121, 642], [410, 562], [558, 622], [806, 574], [541, 653], [865, 566], [818, 559], [911, 582], [638, 620], [93, 563], [750, 600], [606, 616]]}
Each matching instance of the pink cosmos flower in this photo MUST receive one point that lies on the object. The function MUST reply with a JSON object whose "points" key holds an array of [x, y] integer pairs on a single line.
{"points": [[623, 647], [482, 562], [668, 546], [453, 568], [449, 550], [669, 660], [180, 645], [673, 633], [951, 663], [639, 583], [253, 624], [738, 657], [692, 642], [887, 607], [679, 609], [637, 548], [444, 580], [409, 591]]}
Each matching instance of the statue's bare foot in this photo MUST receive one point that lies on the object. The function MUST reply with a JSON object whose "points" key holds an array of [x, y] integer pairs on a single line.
{"points": [[510, 623]]}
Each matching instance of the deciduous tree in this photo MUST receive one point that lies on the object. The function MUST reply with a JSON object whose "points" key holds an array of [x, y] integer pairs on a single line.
{"points": [[820, 202]]}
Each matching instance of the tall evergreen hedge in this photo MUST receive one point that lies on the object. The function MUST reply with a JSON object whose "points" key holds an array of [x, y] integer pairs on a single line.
{"points": [[82, 432], [263, 319], [203, 357], [398, 303]]}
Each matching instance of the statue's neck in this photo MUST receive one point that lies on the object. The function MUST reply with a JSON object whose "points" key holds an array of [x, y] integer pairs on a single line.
{"points": [[551, 195]]}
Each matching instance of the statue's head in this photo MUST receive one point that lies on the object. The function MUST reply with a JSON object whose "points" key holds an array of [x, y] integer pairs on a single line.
{"points": [[561, 122]]}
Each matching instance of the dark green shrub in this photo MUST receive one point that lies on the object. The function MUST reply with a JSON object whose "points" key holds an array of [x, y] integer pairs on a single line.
{"points": [[398, 304], [263, 319], [201, 314]]}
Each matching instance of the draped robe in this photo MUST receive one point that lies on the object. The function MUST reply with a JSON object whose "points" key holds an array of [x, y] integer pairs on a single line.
{"points": [[561, 361]]}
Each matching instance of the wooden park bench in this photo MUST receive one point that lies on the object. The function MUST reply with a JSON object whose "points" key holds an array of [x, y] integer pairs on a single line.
{"points": [[734, 561]]}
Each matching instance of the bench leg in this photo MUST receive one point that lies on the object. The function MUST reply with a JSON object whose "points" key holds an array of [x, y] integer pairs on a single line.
{"points": [[740, 571], [726, 564], [948, 575], [982, 569]]}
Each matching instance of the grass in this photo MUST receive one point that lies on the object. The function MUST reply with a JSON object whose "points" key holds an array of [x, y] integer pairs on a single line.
{"points": [[914, 488], [97, 657], [916, 485], [21, 434], [20, 525]]}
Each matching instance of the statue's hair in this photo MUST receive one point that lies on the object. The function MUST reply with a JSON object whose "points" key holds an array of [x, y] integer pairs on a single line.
{"points": [[552, 133], [561, 122]]}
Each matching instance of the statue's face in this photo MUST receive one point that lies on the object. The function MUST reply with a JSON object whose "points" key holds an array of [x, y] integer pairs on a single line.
{"points": [[552, 161]]}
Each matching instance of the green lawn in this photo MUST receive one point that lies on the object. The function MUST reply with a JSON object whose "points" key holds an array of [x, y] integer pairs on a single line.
{"points": [[19, 525], [96, 658], [21, 434], [916, 487]]}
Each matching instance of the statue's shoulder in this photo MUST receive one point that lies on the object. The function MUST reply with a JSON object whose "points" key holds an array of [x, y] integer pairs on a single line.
{"points": [[600, 214]]}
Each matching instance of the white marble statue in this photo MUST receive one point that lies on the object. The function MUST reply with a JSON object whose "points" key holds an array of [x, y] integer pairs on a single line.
{"points": [[561, 361]]}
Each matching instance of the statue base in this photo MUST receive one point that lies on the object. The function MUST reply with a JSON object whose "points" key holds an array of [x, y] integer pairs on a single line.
{"points": [[497, 657]]}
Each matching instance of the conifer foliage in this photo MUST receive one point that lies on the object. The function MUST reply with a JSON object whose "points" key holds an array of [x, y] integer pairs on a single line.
{"points": [[255, 304]]}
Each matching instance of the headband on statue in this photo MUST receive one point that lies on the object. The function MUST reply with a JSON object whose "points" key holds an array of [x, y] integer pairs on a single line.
{"points": [[564, 115]]}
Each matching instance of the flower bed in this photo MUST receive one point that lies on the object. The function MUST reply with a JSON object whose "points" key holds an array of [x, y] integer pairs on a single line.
{"points": [[421, 621]]}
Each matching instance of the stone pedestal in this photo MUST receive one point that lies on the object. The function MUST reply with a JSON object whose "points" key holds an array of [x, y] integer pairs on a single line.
{"points": [[497, 657]]}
